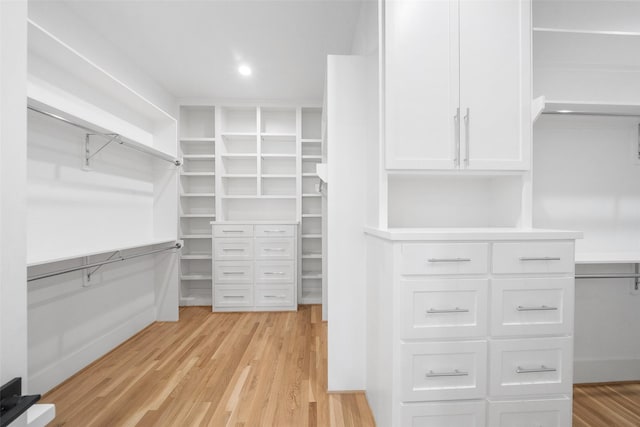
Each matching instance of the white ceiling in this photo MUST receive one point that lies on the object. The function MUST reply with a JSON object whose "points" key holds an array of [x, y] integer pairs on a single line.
{"points": [[193, 48]]}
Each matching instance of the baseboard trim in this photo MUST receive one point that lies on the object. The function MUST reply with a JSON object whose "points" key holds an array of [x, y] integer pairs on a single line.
{"points": [[603, 371]]}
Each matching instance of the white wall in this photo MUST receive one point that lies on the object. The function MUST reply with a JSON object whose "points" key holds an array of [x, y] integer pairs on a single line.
{"points": [[13, 162]]}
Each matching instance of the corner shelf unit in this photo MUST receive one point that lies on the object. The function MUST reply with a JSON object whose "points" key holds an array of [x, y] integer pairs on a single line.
{"points": [[197, 202]]}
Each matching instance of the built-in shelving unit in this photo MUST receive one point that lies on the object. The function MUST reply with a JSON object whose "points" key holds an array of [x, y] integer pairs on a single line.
{"points": [[197, 202], [311, 258]]}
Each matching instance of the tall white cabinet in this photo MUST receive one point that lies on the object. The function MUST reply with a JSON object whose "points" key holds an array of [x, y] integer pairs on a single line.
{"points": [[447, 104]]}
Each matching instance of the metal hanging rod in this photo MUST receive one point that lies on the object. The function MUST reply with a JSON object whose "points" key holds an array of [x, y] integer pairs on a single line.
{"points": [[111, 137], [589, 113], [608, 276], [110, 260]]}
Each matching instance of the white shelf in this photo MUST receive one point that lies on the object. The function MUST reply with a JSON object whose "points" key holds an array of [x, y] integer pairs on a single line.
{"points": [[196, 257], [239, 135], [196, 277], [197, 139], [198, 215], [309, 175], [586, 32], [198, 174], [311, 215], [259, 197], [311, 276], [312, 256], [279, 176], [311, 140], [592, 108], [290, 136], [196, 236], [198, 156], [312, 157], [312, 195], [239, 155], [239, 175], [80, 253], [278, 156], [311, 297], [608, 258], [197, 195], [312, 236]]}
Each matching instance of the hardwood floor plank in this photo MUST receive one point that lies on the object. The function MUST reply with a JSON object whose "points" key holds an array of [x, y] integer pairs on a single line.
{"points": [[604, 405], [215, 369]]}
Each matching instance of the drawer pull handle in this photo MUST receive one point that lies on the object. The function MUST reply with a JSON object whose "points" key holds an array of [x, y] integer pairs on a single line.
{"points": [[274, 296], [275, 231], [447, 310], [232, 296], [274, 273], [230, 273], [543, 258], [455, 373], [274, 249], [233, 231], [233, 250], [449, 260], [542, 368], [540, 308]]}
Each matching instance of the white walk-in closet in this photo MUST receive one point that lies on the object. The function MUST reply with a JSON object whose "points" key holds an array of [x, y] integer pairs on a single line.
{"points": [[393, 213]]}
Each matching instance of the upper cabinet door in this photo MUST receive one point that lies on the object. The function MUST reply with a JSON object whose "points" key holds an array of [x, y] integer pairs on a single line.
{"points": [[421, 84], [495, 84]]}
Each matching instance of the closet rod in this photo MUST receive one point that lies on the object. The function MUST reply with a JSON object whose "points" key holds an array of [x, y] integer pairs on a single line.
{"points": [[588, 113], [98, 264], [108, 136], [608, 276]]}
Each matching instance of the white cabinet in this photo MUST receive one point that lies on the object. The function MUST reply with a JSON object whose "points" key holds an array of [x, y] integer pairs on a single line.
{"points": [[457, 84], [254, 267]]}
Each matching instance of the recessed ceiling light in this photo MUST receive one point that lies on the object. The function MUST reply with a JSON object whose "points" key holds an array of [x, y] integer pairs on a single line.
{"points": [[244, 70]]}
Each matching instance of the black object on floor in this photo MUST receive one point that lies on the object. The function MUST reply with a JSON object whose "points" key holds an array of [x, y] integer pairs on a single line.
{"points": [[12, 403]]}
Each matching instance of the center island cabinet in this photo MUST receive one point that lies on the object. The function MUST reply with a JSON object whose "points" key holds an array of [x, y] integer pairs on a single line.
{"points": [[255, 266], [470, 327]]}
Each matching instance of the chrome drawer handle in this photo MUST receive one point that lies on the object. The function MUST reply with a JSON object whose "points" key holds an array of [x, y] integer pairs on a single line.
{"points": [[275, 231], [449, 260], [455, 373], [447, 310], [229, 273], [233, 231], [275, 273], [232, 250], [540, 308], [232, 296], [542, 368], [274, 249], [274, 296], [544, 258]]}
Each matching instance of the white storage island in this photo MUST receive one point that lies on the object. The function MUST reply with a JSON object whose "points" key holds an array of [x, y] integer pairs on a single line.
{"points": [[255, 266], [470, 327]]}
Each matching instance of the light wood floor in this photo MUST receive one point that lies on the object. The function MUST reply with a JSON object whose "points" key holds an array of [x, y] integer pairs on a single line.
{"points": [[222, 369], [606, 405]]}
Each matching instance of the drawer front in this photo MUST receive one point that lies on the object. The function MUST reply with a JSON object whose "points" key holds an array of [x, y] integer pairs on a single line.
{"points": [[444, 258], [274, 295], [532, 306], [443, 370], [233, 296], [266, 249], [444, 308], [274, 271], [530, 413], [458, 414], [233, 249], [531, 366], [233, 272], [533, 257], [225, 230], [275, 230]]}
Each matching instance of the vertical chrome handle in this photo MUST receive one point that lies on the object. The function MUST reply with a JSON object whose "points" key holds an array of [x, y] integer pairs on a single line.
{"points": [[456, 130], [466, 138]]}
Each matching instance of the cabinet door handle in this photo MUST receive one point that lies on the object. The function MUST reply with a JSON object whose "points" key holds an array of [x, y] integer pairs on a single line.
{"points": [[274, 231], [467, 140], [274, 249], [232, 296], [447, 310], [454, 373], [543, 258], [456, 129], [232, 231], [449, 260], [539, 308], [274, 296], [232, 250], [542, 368], [231, 273], [274, 273]]}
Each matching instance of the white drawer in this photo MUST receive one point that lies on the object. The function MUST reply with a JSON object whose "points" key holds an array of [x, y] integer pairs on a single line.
{"points": [[274, 295], [532, 306], [531, 366], [533, 257], [233, 296], [266, 249], [233, 272], [530, 413], [275, 230], [447, 414], [443, 370], [274, 271], [228, 230], [444, 258], [445, 308], [233, 249]]}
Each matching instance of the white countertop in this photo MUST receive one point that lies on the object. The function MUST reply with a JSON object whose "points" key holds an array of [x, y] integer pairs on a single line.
{"points": [[459, 233], [254, 223], [607, 257]]}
